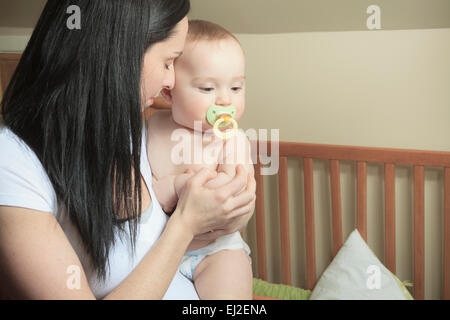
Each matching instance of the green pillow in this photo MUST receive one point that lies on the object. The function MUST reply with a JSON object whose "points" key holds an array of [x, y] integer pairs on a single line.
{"points": [[280, 291]]}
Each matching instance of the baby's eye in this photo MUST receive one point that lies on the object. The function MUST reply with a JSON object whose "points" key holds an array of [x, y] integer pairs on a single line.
{"points": [[236, 88], [207, 89]]}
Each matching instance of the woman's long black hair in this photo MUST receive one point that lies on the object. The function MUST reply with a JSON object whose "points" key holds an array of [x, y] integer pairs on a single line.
{"points": [[75, 99]]}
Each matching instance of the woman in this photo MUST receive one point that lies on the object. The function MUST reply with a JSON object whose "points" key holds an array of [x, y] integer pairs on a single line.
{"points": [[74, 222]]}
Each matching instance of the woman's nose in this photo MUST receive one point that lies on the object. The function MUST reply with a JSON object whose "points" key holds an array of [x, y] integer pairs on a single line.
{"points": [[169, 80]]}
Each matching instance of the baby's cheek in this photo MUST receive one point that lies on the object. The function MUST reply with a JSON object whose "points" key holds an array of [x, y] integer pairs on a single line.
{"points": [[190, 106], [184, 116], [197, 108], [239, 111]]}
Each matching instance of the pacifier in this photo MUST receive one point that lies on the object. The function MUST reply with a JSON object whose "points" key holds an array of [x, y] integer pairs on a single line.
{"points": [[221, 117]]}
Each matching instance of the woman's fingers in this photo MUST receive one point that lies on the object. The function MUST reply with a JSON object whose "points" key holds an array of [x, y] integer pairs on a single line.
{"points": [[237, 184], [223, 210], [245, 198], [233, 225], [240, 216], [251, 183], [242, 211], [238, 201]]}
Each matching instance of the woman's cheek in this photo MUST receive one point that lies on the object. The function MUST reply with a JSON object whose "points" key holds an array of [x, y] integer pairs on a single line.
{"points": [[151, 85]]}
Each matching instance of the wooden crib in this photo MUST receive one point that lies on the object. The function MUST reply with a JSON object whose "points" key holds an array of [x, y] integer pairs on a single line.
{"points": [[420, 160]]}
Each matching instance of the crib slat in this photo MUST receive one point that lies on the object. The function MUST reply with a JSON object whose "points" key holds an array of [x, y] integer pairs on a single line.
{"points": [[309, 224], [389, 182], [336, 205], [361, 186], [419, 236], [260, 224], [447, 234], [284, 221]]}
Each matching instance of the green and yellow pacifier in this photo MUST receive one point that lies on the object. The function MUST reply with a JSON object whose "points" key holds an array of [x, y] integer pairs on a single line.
{"points": [[221, 117]]}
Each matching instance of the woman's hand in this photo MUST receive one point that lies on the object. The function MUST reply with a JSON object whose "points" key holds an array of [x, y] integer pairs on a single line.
{"points": [[224, 209], [238, 223]]}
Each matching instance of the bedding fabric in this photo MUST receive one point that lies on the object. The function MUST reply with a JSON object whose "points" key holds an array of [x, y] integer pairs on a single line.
{"points": [[356, 274], [279, 291]]}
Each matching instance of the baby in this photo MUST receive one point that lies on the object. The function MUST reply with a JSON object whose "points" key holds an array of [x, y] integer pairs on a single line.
{"points": [[210, 75]]}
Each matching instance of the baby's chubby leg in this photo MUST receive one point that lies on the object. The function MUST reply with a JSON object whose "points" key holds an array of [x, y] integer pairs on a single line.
{"points": [[224, 275]]}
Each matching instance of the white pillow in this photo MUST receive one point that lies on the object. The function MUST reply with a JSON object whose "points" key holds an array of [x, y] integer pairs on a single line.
{"points": [[356, 274]]}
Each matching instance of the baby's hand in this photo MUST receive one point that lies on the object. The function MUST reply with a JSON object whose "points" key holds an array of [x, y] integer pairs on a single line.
{"points": [[168, 189], [221, 179], [180, 181], [165, 192]]}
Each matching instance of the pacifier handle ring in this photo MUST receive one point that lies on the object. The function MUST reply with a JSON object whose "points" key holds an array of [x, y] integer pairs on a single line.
{"points": [[225, 135]]}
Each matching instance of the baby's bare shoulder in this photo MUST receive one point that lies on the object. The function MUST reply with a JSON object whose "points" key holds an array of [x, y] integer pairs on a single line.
{"points": [[160, 125], [159, 119]]}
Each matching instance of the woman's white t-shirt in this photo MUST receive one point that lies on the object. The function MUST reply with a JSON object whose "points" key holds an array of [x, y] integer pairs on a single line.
{"points": [[24, 183]]}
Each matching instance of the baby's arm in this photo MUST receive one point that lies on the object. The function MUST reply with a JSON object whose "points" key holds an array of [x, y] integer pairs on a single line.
{"points": [[168, 188], [227, 170]]}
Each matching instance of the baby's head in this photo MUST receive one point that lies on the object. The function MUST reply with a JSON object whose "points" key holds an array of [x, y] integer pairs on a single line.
{"points": [[211, 71]]}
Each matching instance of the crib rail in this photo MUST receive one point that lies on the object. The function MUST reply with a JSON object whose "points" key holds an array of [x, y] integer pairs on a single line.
{"points": [[361, 155]]}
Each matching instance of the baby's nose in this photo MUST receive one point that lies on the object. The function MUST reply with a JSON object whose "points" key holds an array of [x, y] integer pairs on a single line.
{"points": [[223, 99]]}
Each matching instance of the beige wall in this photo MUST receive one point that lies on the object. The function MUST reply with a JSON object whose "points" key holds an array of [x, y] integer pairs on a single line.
{"points": [[366, 88], [275, 16], [374, 88]]}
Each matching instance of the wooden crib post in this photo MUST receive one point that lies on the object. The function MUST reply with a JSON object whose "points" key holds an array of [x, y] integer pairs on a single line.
{"points": [[284, 222], [447, 234], [336, 205], [419, 237], [389, 182], [260, 224], [309, 224], [361, 186]]}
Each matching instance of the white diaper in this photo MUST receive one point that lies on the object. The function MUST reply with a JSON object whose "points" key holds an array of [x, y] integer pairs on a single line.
{"points": [[191, 259]]}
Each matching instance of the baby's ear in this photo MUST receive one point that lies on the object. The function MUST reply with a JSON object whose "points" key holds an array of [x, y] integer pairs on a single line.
{"points": [[167, 95]]}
